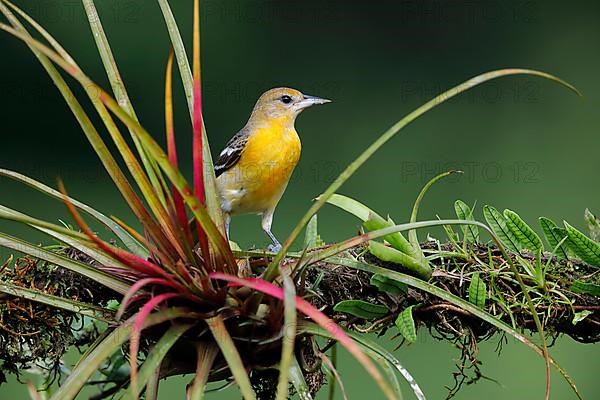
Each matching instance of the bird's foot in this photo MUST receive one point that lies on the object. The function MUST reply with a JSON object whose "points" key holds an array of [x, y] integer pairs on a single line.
{"points": [[274, 248]]}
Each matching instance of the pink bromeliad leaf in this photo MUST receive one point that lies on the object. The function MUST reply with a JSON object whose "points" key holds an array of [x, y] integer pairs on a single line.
{"points": [[324, 321], [134, 342]]}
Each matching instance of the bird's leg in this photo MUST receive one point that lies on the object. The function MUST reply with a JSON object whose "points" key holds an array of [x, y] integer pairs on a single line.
{"points": [[227, 219], [267, 221]]}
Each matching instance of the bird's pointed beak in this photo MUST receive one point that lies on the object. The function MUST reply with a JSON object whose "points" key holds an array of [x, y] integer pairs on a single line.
{"points": [[308, 101]]}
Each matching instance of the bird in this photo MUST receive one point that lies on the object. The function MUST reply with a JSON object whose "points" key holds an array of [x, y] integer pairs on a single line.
{"points": [[254, 168]]}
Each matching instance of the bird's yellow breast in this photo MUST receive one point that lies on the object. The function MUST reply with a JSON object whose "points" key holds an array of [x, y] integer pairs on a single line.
{"points": [[258, 180]]}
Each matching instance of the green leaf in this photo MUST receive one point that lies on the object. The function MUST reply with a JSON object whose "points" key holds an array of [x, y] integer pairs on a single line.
{"points": [[119, 90], [463, 211], [580, 316], [72, 265], [155, 357], [477, 291], [232, 356], [553, 238], [361, 309], [389, 254], [376, 352], [406, 325], [593, 225], [585, 288], [526, 236], [584, 247], [297, 378], [289, 334], [87, 366], [412, 235], [387, 285], [129, 241], [389, 134], [46, 56], [457, 301], [497, 223], [89, 310], [206, 354], [212, 201], [334, 249], [372, 221], [312, 234]]}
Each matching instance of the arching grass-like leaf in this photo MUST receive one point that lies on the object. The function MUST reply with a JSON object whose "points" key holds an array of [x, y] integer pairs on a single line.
{"points": [[553, 238], [361, 309], [584, 247], [412, 235], [497, 223], [389, 134], [526, 236], [406, 324], [477, 291], [463, 211]]}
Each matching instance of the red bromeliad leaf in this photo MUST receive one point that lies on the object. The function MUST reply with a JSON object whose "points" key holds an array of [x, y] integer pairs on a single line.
{"points": [[172, 148], [197, 144], [131, 260], [134, 342], [138, 286], [155, 253], [317, 316]]}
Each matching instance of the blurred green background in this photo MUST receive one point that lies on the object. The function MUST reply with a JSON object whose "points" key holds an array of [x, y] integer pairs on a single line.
{"points": [[524, 143]]}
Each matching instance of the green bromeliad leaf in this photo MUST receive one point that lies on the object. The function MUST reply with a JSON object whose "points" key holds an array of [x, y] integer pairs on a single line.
{"points": [[463, 211], [583, 246], [526, 236], [477, 291], [361, 309], [406, 325], [553, 237], [387, 285], [497, 223]]}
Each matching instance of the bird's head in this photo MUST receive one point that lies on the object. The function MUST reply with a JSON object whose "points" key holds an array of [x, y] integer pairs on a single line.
{"points": [[284, 103]]}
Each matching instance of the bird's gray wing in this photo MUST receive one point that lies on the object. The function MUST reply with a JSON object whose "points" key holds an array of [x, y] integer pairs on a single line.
{"points": [[232, 152]]}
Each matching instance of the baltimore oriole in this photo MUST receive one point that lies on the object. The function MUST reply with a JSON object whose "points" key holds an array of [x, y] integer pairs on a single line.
{"points": [[256, 165]]}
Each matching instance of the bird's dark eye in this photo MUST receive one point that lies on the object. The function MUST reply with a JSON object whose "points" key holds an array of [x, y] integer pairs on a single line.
{"points": [[286, 99]]}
